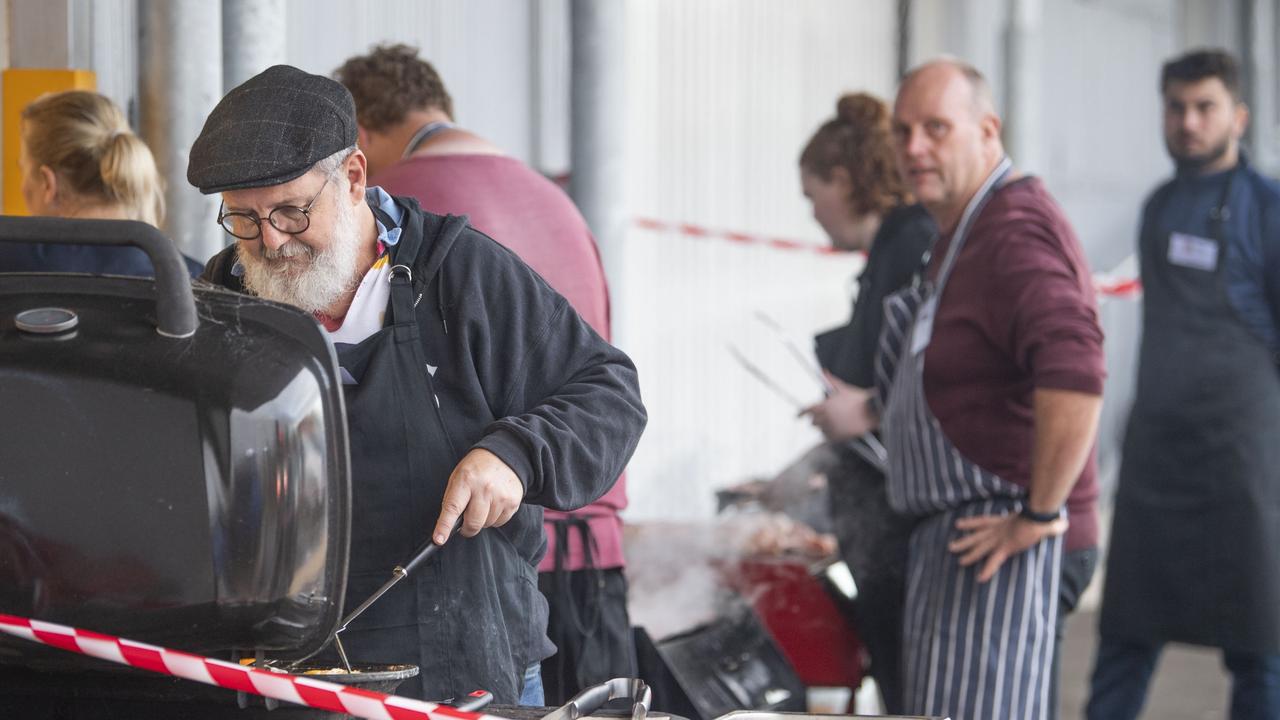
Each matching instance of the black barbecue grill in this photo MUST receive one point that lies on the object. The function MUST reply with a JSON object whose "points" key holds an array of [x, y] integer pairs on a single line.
{"points": [[173, 463]]}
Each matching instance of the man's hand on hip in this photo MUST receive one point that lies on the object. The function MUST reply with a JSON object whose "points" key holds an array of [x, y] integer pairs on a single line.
{"points": [[845, 413], [997, 538], [483, 490]]}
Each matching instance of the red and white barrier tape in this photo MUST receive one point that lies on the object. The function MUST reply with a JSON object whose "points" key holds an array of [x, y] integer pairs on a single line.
{"points": [[1106, 286], [700, 231], [1125, 288], [281, 686]]}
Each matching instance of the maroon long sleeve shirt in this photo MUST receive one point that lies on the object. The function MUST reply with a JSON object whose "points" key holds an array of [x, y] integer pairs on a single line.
{"points": [[1018, 313]]}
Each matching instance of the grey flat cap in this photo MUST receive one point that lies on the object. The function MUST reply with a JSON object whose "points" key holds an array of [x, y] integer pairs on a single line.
{"points": [[270, 130]]}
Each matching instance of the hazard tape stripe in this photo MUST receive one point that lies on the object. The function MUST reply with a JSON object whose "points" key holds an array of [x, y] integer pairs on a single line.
{"points": [[1106, 286]]}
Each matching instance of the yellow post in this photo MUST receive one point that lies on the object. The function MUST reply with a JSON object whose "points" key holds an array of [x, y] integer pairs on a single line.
{"points": [[20, 87]]}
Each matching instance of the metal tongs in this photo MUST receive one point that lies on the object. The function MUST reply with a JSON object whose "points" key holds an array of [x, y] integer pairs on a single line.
{"points": [[868, 446], [424, 553], [595, 697]]}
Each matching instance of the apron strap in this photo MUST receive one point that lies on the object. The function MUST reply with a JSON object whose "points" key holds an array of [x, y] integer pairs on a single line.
{"points": [[401, 277], [563, 528], [423, 134], [1221, 212], [971, 211]]}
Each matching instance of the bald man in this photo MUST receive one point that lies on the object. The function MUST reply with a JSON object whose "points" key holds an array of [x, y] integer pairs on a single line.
{"points": [[989, 385]]}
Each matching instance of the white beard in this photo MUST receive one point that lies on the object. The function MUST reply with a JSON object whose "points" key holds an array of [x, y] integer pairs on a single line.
{"points": [[297, 275]]}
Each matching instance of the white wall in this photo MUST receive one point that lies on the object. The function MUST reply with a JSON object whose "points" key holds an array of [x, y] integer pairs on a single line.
{"points": [[723, 94], [1104, 153]]}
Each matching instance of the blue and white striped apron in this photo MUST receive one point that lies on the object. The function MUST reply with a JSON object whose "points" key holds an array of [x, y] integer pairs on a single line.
{"points": [[970, 650]]}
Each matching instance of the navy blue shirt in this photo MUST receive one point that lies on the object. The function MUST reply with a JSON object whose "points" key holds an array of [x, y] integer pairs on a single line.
{"points": [[91, 259], [1251, 259]]}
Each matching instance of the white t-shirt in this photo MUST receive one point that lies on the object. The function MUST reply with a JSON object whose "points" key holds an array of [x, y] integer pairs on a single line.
{"points": [[369, 307]]}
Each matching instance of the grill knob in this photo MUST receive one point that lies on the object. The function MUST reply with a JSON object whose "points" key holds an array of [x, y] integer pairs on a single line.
{"points": [[46, 320]]}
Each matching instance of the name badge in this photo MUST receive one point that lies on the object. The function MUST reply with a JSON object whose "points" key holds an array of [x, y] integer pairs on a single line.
{"points": [[922, 330], [1193, 252]]}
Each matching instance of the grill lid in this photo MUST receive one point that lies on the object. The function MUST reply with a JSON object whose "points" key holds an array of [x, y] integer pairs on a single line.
{"points": [[175, 463]]}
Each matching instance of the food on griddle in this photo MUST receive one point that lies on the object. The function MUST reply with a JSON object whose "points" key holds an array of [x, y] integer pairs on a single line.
{"points": [[776, 535], [306, 670]]}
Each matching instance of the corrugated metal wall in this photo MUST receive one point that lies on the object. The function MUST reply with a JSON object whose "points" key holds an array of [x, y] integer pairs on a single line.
{"points": [[722, 96], [114, 51]]}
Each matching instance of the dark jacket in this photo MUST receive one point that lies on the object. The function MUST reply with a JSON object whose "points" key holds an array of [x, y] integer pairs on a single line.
{"points": [[896, 254], [96, 260], [519, 374]]}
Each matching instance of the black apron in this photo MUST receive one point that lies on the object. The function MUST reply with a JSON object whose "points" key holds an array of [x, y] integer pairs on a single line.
{"points": [[970, 650], [1195, 549], [872, 541], [588, 623], [458, 617]]}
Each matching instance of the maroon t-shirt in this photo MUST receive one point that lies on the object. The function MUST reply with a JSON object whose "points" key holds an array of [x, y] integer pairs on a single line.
{"points": [[1018, 313], [530, 215]]}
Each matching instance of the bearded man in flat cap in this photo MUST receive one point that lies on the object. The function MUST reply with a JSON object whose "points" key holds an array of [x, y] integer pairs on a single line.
{"points": [[473, 391]]}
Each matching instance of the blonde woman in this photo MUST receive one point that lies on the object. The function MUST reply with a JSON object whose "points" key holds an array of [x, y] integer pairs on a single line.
{"points": [[80, 159]]}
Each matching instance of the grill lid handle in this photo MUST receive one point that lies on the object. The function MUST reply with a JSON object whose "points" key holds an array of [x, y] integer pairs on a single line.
{"points": [[175, 305]]}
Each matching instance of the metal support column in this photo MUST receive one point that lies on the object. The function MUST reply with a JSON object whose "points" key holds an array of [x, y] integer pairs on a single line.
{"points": [[1023, 74], [1258, 23], [253, 38], [53, 33], [181, 69], [598, 131], [904, 38]]}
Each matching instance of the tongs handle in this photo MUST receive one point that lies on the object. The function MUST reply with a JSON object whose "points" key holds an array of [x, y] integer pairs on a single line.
{"points": [[424, 553], [595, 697]]}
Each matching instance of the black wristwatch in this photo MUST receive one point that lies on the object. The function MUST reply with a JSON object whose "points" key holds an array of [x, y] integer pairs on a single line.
{"points": [[1039, 517]]}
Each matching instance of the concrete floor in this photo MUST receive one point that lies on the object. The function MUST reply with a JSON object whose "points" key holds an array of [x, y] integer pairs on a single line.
{"points": [[1190, 682]]}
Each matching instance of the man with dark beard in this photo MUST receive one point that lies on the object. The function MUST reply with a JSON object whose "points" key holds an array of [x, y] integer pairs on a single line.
{"points": [[1195, 550], [473, 391]]}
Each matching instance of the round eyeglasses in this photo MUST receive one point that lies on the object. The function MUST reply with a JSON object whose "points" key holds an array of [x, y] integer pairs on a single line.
{"points": [[288, 219]]}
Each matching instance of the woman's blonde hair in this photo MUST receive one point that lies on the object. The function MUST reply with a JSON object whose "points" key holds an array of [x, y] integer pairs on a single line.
{"points": [[86, 140]]}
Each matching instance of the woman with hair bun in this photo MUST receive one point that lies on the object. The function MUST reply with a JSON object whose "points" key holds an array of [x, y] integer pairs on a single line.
{"points": [[80, 159], [850, 175]]}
